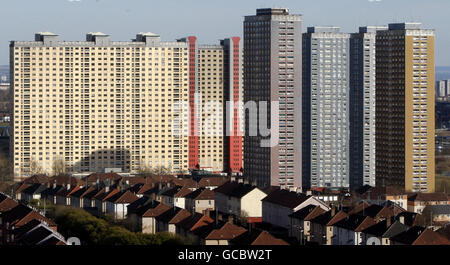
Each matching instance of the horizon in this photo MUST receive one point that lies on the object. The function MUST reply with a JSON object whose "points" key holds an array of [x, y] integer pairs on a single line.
{"points": [[208, 20]]}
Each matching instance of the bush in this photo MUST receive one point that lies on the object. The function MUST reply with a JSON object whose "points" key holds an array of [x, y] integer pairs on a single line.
{"points": [[95, 231]]}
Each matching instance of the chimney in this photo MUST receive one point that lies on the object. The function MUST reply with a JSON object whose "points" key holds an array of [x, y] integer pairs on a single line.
{"points": [[333, 211], [402, 219], [388, 222], [207, 212], [160, 186], [68, 186], [54, 185], [107, 189], [230, 219]]}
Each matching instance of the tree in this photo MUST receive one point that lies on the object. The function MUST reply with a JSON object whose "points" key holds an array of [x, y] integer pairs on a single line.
{"points": [[59, 166], [35, 168]]}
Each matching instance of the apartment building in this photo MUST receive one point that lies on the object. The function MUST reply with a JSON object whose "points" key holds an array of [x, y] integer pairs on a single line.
{"points": [[272, 76], [216, 126], [362, 107], [404, 120], [442, 88], [326, 88], [95, 105]]}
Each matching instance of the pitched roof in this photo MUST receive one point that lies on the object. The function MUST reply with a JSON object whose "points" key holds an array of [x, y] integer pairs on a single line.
{"points": [[52, 191], [64, 180], [156, 211], [303, 212], [52, 241], [409, 236], [22, 187], [195, 221], [395, 229], [18, 232], [286, 198], [436, 196], [67, 192], [377, 229], [337, 217], [429, 237], [316, 212], [381, 192], [103, 176], [177, 191], [103, 195], [133, 180], [185, 182], [235, 189], [39, 178], [35, 236], [438, 209], [409, 218], [211, 181], [257, 237], [123, 197], [82, 192], [355, 222], [138, 204], [21, 215], [323, 218], [201, 194], [6, 203], [227, 232], [173, 215]]}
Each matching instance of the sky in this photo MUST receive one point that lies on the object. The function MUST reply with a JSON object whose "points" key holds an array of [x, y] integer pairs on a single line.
{"points": [[209, 20]]}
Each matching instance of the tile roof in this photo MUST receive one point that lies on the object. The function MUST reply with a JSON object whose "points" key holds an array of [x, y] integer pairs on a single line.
{"points": [[39, 178], [438, 209], [235, 189], [409, 236], [185, 182], [22, 187], [18, 232], [103, 176], [395, 229], [133, 180], [123, 197], [337, 217], [6, 203], [195, 221], [156, 211], [138, 204], [35, 236], [314, 213], [64, 180], [355, 222], [201, 194], [104, 195], [52, 241], [322, 219], [303, 212], [437, 196], [21, 215], [286, 198], [381, 192], [177, 191], [377, 229], [429, 237], [52, 191], [212, 181], [67, 192], [227, 232], [257, 237], [173, 215]]}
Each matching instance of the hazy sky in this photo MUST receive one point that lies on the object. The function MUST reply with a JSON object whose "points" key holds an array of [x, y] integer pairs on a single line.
{"points": [[209, 20]]}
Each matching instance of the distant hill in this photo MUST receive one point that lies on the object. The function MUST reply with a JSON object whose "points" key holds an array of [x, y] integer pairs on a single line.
{"points": [[4, 73], [442, 72]]}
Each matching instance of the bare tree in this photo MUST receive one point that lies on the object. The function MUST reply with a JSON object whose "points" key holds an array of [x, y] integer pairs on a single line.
{"points": [[59, 166], [35, 168]]}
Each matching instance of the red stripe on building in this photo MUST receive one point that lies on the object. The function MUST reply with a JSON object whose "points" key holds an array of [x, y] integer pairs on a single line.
{"points": [[235, 158], [193, 132]]}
